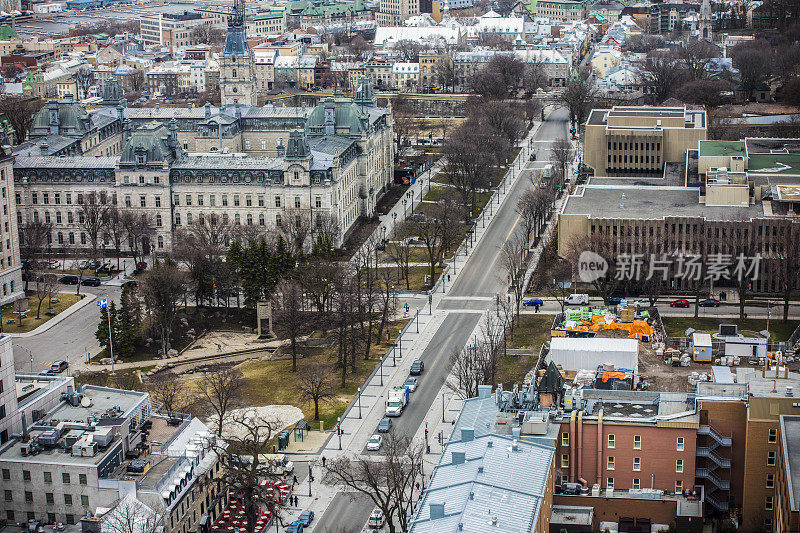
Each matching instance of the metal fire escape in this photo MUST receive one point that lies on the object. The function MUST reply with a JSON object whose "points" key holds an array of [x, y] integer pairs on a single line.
{"points": [[716, 490]]}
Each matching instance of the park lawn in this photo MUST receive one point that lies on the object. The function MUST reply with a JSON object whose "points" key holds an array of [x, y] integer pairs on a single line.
{"points": [[416, 274], [441, 177], [435, 193], [677, 326], [30, 323], [531, 332], [273, 382], [417, 254]]}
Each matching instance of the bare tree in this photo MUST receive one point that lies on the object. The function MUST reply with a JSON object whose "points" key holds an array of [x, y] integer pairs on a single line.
{"points": [[170, 392], [436, 230], [249, 438], [474, 365], [562, 153], [114, 230], [469, 170], [534, 77], [664, 73], [753, 60], [207, 34], [20, 110], [162, 289], [602, 245], [577, 96], [389, 480], [46, 286], [288, 298], [643, 43], [33, 239], [315, 385], [404, 122], [93, 215], [130, 515], [445, 71], [296, 229], [515, 262], [138, 229], [221, 389], [696, 57], [399, 251]]}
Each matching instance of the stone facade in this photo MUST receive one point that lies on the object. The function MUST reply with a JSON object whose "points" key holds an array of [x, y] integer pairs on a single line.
{"points": [[248, 165]]}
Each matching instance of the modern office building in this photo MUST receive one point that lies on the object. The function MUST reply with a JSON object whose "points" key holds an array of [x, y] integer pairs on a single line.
{"points": [[640, 140]]}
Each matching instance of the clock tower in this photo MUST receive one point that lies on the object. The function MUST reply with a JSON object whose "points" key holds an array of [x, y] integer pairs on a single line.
{"points": [[236, 76]]}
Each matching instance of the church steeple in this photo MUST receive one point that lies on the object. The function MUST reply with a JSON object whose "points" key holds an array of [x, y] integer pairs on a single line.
{"points": [[236, 68], [704, 26]]}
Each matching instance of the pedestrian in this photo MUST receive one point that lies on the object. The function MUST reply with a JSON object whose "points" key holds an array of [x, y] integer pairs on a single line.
{"points": [[537, 307], [294, 480], [323, 461], [295, 501]]}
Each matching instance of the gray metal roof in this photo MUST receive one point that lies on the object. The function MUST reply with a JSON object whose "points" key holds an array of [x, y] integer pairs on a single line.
{"points": [[497, 488], [790, 440], [67, 162]]}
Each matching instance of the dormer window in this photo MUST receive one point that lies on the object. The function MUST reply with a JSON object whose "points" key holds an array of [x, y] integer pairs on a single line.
{"points": [[296, 176], [141, 159]]}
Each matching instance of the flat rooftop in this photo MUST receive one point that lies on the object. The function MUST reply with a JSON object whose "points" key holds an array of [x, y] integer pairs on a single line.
{"points": [[102, 399], [639, 405], [30, 387], [790, 437], [159, 466], [572, 514], [765, 146], [600, 116], [650, 203], [783, 164], [722, 148]]}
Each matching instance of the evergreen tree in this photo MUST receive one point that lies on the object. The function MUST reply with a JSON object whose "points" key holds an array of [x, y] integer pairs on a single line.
{"points": [[102, 328], [126, 326]]}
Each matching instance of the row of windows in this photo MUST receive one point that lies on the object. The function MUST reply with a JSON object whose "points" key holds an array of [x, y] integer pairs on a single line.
{"points": [[51, 517], [611, 463], [248, 200], [634, 159], [637, 441], [49, 498], [46, 476], [635, 145]]}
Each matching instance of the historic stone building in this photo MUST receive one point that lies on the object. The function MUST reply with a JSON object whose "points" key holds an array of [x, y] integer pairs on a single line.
{"points": [[248, 165], [236, 80]]}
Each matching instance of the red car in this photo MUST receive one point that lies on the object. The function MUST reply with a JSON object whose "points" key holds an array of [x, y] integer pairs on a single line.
{"points": [[679, 303]]}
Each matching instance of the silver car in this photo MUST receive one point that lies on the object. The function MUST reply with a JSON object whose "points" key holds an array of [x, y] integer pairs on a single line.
{"points": [[374, 443]]}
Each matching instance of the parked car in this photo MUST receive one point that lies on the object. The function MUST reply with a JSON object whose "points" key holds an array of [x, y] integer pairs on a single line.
{"points": [[58, 367], [709, 302], [411, 384], [376, 519], [643, 303], [374, 443], [69, 280], [46, 372], [295, 527], [91, 282], [615, 300], [141, 265], [385, 425], [306, 517], [682, 302], [532, 302], [417, 367], [130, 283]]}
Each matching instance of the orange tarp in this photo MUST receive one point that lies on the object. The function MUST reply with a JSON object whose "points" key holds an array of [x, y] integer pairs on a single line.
{"points": [[635, 329]]}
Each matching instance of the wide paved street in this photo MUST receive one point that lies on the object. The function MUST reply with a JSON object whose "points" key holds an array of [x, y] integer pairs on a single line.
{"points": [[455, 318]]}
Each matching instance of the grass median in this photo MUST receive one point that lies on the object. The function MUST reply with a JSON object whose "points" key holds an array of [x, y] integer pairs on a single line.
{"points": [[48, 311]]}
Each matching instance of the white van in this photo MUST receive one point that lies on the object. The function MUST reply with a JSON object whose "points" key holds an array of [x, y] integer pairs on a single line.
{"points": [[577, 299]]}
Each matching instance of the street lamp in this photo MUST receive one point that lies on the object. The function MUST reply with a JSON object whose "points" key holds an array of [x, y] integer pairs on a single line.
{"points": [[359, 402], [339, 431], [443, 407], [417, 317], [405, 207], [310, 479], [381, 370]]}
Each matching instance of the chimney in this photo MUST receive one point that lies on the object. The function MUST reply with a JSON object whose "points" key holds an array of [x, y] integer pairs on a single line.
{"points": [[467, 434], [24, 424], [207, 109], [515, 433], [281, 148], [458, 457], [44, 148], [436, 511], [484, 391]]}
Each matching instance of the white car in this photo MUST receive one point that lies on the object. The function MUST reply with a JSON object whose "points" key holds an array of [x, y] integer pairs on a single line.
{"points": [[376, 519], [643, 303], [375, 443]]}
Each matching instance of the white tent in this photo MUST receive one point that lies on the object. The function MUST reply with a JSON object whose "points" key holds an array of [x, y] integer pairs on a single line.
{"points": [[589, 353]]}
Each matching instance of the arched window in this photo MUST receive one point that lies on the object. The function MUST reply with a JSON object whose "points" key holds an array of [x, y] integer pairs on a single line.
{"points": [[160, 241], [249, 219]]}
